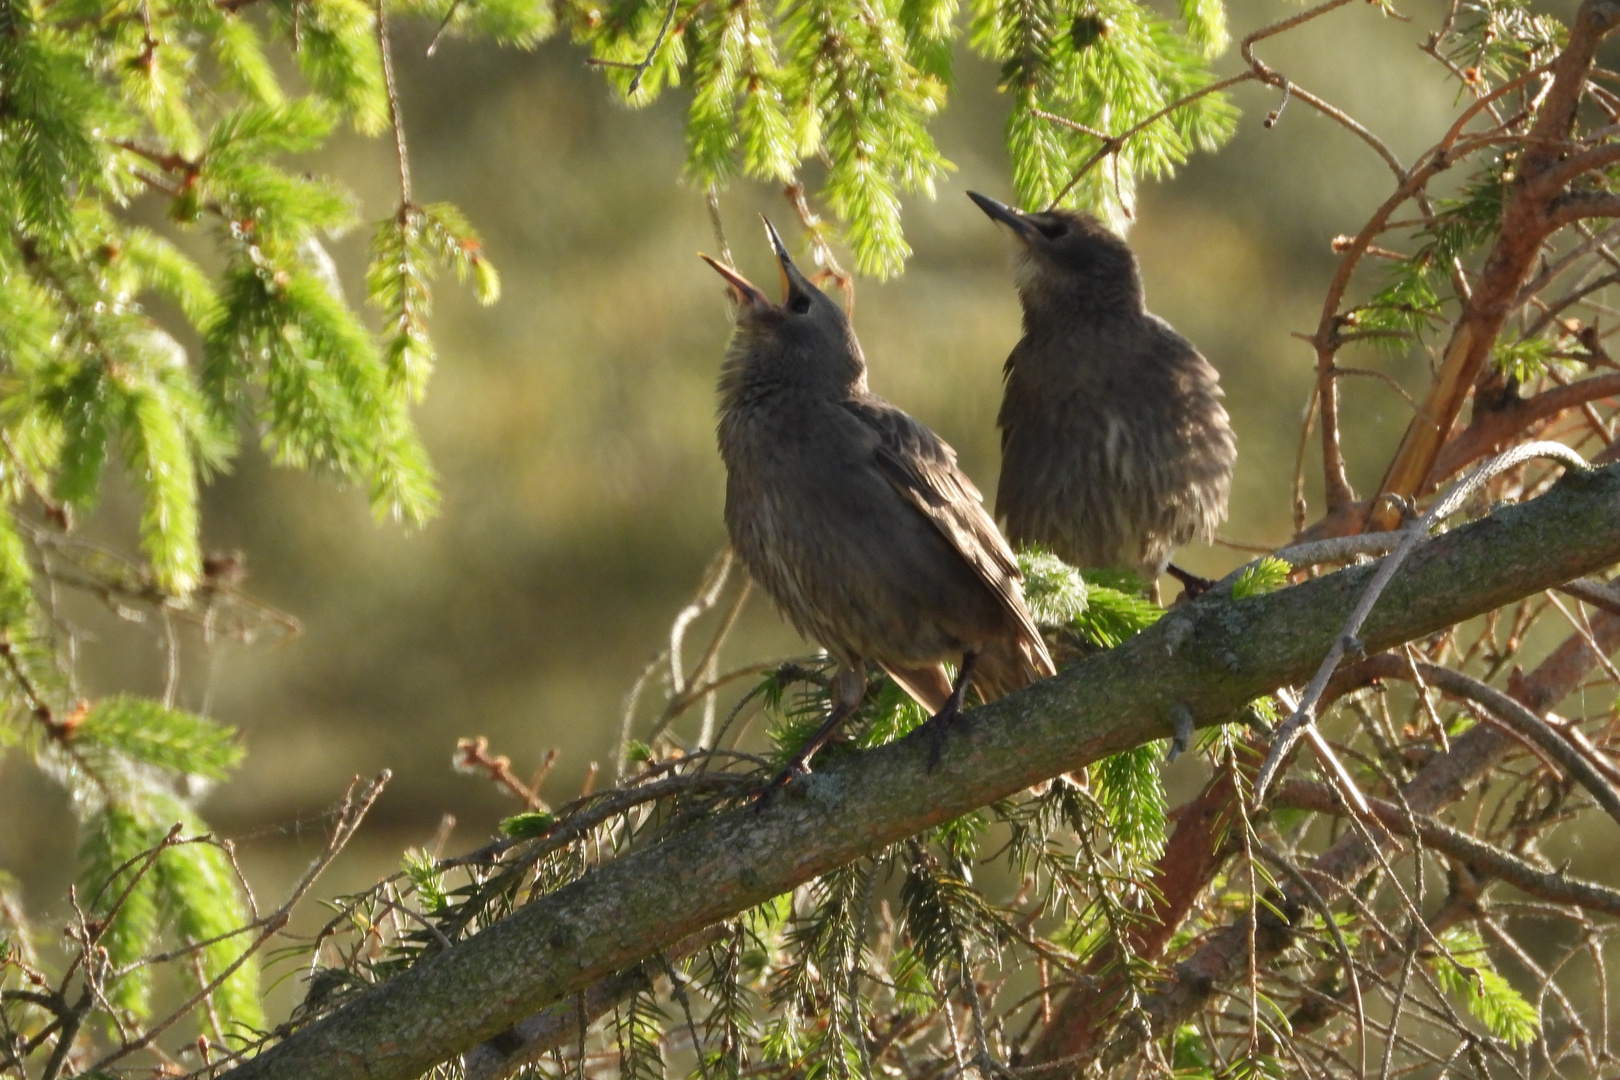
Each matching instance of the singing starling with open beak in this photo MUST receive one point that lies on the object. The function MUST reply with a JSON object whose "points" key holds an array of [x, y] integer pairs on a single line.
{"points": [[1115, 450], [855, 518]]}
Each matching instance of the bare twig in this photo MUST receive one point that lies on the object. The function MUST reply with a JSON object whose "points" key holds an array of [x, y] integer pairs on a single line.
{"points": [[1595, 593], [1416, 533], [1555, 886], [394, 118], [639, 69]]}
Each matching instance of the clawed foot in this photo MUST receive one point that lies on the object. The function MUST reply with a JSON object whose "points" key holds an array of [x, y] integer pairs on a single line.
{"points": [[938, 725], [798, 767], [939, 728], [849, 689], [1192, 586]]}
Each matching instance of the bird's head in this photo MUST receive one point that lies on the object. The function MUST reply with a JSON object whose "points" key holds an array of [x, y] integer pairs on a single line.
{"points": [[805, 338], [1066, 257]]}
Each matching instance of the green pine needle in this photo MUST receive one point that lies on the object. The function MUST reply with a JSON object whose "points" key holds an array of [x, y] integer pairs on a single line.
{"points": [[1054, 591], [150, 733], [1490, 997], [200, 890], [1112, 615], [1266, 575], [528, 825], [1131, 792], [119, 891]]}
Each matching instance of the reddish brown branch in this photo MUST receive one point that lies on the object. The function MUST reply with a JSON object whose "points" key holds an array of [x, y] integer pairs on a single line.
{"points": [[1198, 848], [1572, 207], [473, 756], [1490, 431], [1527, 219]]}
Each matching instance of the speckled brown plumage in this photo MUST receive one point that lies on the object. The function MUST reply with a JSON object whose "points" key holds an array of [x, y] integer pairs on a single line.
{"points": [[1115, 448], [854, 517]]}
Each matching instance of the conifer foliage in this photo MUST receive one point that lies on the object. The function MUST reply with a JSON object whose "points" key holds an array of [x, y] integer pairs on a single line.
{"points": [[854, 83], [163, 290], [1047, 929]]}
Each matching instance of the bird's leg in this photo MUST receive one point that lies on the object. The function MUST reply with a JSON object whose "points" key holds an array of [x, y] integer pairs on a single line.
{"points": [[849, 687], [1192, 585], [939, 723]]}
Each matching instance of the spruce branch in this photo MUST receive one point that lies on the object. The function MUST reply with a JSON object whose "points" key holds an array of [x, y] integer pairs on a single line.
{"points": [[1211, 655], [1112, 144], [357, 802]]}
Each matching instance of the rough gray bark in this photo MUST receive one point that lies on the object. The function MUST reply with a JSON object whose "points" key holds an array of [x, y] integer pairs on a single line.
{"points": [[1210, 656]]}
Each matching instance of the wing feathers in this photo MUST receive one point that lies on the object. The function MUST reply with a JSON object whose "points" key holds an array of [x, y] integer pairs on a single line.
{"points": [[922, 468]]}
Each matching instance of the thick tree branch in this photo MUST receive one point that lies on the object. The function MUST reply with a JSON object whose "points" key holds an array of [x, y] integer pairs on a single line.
{"points": [[1209, 657], [529, 1040]]}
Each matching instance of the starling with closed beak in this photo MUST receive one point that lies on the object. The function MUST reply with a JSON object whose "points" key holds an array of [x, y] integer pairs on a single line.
{"points": [[854, 517], [1115, 450]]}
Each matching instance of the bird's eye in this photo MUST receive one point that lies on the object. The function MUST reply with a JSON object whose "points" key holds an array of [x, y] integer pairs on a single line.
{"points": [[800, 304], [1053, 230]]}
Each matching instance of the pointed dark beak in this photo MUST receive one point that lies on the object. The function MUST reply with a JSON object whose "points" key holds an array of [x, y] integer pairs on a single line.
{"points": [[746, 291], [1000, 211], [793, 281]]}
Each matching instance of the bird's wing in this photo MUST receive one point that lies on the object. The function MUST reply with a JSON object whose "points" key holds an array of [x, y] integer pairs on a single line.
{"points": [[922, 468]]}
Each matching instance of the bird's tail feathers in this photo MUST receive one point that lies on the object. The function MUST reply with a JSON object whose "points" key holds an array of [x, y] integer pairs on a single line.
{"points": [[1009, 665], [930, 687], [1004, 666]]}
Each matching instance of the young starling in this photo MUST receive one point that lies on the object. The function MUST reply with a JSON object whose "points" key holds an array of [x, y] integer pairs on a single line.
{"points": [[1115, 449], [855, 518]]}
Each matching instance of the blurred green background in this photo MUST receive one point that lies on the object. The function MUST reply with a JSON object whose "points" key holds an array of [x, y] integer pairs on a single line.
{"points": [[572, 424]]}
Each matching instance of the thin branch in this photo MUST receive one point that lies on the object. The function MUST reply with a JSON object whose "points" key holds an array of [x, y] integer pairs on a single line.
{"points": [[1299, 878], [394, 117], [640, 68], [1551, 885], [1571, 168], [1499, 426], [1595, 593], [1573, 206], [1112, 144], [1585, 630], [444, 25], [1368, 373], [1416, 533]]}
